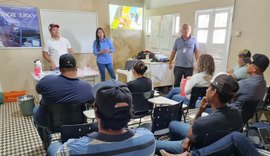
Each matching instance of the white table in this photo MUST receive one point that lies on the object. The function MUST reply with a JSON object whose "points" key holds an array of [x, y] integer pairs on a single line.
{"points": [[85, 73], [90, 114], [158, 72], [160, 100]]}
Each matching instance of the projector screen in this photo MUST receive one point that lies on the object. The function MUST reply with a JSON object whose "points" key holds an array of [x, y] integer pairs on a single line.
{"points": [[125, 17]]}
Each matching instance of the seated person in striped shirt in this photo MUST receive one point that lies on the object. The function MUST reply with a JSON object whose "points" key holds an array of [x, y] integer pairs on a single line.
{"points": [[112, 109]]}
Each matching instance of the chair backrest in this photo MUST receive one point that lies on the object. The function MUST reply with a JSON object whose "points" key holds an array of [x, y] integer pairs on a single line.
{"points": [[195, 93], [64, 114], [267, 97], [248, 110], [140, 102], [163, 115], [76, 131], [129, 64]]}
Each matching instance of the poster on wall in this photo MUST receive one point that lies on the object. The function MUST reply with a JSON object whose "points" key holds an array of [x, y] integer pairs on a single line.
{"points": [[19, 27]]}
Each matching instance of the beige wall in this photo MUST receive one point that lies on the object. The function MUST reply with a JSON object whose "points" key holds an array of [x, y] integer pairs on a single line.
{"points": [[16, 64], [251, 17]]}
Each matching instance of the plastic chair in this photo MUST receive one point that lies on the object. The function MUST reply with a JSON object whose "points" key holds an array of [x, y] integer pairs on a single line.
{"points": [[62, 114], [140, 105], [195, 93], [163, 115], [248, 110], [265, 105], [76, 131]]}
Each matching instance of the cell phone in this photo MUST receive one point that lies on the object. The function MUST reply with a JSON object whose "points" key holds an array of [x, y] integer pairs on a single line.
{"points": [[265, 137]]}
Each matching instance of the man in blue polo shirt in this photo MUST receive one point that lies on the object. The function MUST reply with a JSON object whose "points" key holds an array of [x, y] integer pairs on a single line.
{"points": [[186, 47], [113, 103], [66, 88]]}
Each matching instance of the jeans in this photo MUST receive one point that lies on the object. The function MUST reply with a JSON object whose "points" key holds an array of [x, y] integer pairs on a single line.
{"points": [[109, 68], [234, 142], [174, 94], [178, 131], [38, 124], [52, 149], [179, 72]]}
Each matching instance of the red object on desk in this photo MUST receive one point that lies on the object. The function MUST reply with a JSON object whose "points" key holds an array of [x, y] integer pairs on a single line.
{"points": [[183, 85], [37, 71]]}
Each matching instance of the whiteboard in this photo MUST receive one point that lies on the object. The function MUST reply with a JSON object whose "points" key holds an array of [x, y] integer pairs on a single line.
{"points": [[79, 27]]}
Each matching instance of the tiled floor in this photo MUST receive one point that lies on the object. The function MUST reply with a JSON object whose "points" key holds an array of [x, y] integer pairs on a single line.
{"points": [[18, 134]]}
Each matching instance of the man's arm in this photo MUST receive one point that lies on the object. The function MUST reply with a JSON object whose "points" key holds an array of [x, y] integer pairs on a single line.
{"points": [[200, 110], [171, 58], [48, 58], [196, 53], [70, 50]]}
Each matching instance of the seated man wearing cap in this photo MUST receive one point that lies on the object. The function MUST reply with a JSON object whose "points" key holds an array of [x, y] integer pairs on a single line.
{"points": [[112, 110], [55, 46], [66, 88], [254, 87], [223, 120], [239, 72]]}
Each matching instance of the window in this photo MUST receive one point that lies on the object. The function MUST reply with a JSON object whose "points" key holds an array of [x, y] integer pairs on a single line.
{"points": [[176, 25], [148, 26]]}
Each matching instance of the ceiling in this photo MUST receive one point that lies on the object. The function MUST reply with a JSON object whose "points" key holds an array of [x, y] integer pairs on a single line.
{"points": [[161, 3]]}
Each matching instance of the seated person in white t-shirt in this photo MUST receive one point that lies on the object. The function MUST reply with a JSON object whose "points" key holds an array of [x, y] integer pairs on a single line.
{"points": [[55, 46], [205, 67], [239, 72]]}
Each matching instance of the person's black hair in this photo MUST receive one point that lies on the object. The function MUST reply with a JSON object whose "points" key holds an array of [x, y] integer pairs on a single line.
{"points": [[97, 38], [140, 67], [113, 124], [224, 98]]}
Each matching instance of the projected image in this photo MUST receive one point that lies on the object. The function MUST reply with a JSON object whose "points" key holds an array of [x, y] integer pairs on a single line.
{"points": [[125, 17]]}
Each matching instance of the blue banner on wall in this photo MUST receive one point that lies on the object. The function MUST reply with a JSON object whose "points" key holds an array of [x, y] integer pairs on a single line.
{"points": [[19, 27]]}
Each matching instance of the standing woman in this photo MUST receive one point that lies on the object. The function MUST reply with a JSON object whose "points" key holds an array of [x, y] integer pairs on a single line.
{"points": [[102, 48]]}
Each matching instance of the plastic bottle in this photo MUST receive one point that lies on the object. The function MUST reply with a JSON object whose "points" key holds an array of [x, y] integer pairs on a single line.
{"points": [[198, 102], [38, 67]]}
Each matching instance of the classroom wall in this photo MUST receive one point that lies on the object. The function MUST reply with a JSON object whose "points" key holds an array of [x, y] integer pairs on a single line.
{"points": [[251, 17], [16, 64]]}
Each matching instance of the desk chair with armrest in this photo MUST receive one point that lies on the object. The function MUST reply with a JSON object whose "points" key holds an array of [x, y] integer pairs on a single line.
{"points": [[248, 110], [264, 105], [76, 131], [126, 71], [161, 118], [195, 93], [140, 105], [62, 114]]}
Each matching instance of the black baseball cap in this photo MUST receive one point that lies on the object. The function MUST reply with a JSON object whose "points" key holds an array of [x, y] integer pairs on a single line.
{"points": [[259, 60], [52, 25], [224, 83], [67, 61], [113, 99]]}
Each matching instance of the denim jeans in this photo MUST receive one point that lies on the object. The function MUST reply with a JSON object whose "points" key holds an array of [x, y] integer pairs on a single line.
{"points": [[235, 142], [38, 124], [174, 94], [178, 131], [109, 68], [52, 149]]}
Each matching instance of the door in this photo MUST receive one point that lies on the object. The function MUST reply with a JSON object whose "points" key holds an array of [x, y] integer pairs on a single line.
{"points": [[212, 29]]}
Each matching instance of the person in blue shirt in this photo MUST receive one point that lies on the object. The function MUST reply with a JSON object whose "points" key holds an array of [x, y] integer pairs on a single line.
{"points": [[112, 110], [66, 88], [102, 48]]}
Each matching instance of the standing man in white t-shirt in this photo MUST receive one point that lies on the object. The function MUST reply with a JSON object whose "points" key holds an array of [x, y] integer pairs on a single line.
{"points": [[55, 46]]}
